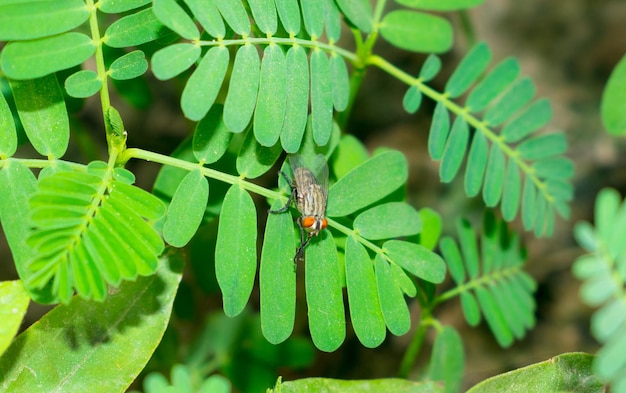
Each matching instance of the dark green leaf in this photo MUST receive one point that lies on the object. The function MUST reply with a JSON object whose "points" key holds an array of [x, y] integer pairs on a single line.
{"points": [[174, 59], [264, 15], [469, 70], [211, 137], [8, 136], [235, 15], [374, 179], [235, 251], [476, 164], [394, 219], [454, 152], [448, 360], [510, 102], [289, 13], [494, 176], [25, 20], [416, 31], [174, 17], [271, 101], [37, 58], [208, 16], [412, 99], [129, 66], [613, 98], [358, 12], [439, 129], [254, 159], [134, 29], [394, 307], [417, 260], [243, 88], [185, 212], [440, 5], [83, 84], [43, 114], [297, 99], [204, 84], [493, 84], [543, 146], [533, 118], [321, 98]]}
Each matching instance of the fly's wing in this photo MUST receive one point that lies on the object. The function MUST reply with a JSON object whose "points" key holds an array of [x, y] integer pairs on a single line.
{"points": [[316, 165]]}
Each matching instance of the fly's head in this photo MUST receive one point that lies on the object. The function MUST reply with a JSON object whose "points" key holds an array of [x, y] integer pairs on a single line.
{"points": [[313, 224]]}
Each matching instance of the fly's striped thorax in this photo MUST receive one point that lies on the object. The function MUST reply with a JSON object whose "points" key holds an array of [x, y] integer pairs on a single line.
{"points": [[310, 198]]}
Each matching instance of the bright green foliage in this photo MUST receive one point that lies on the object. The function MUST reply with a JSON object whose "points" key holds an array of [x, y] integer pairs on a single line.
{"points": [[134, 29], [490, 279], [416, 31], [115, 6], [211, 137], [243, 88], [501, 162], [394, 219], [358, 12], [93, 336], [603, 272], [183, 381], [13, 304], [270, 104], [448, 360], [83, 84], [204, 84], [27, 20], [321, 98], [185, 212], [254, 159], [569, 372], [613, 98], [440, 5], [355, 386], [8, 136], [129, 66], [297, 97], [80, 241], [264, 15], [174, 59], [174, 17]]}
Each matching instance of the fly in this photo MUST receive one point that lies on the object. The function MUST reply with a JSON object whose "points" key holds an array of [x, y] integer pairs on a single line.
{"points": [[310, 191]]}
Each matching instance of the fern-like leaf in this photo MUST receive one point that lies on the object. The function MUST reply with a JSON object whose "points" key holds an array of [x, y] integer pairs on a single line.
{"points": [[90, 231], [490, 279], [508, 158], [603, 272]]}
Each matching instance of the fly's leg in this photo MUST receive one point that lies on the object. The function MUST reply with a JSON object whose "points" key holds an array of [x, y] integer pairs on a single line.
{"points": [[291, 196], [304, 241]]}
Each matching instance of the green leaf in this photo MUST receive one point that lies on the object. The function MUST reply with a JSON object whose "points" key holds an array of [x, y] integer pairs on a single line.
{"points": [[440, 5], [242, 90], [570, 372], [129, 66], [208, 16], [136, 315], [235, 251], [430, 68], [529, 198], [297, 98], [356, 386], [321, 98], [118, 6], [470, 308], [323, 293], [211, 137], [439, 129], [277, 277], [37, 58], [185, 212], [13, 304], [416, 31], [393, 305], [204, 84], [469, 70], [83, 84], [174, 59], [493, 84], [374, 179], [412, 99], [289, 14], [8, 136], [510, 102], [264, 15], [332, 20], [543, 146], [613, 98], [494, 317], [348, 155], [358, 12], [512, 190], [254, 159], [394, 219], [469, 248], [341, 82], [175, 18], [448, 359], [452, 255], [42, 111], [494, 177], [26, 20], [417, 260], [454, 151], [135, 29], [431, 224], [313, 17], [365, 309], [235, 15], [476, 164], [533, 118], [271, 101], [554, 168]]}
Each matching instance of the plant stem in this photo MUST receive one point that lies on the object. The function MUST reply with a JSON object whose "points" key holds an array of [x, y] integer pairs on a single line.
{"points": [[408, 360]]}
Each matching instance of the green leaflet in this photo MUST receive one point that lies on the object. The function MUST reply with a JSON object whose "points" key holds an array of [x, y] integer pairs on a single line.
{"points": [[129, 66], [174, 59], [254, 159], [359, 12], [365, 309], [297, 97], [515, 98], [204, 84], [349, 154], [321, 98], [206, 13], [313, 17], [323, 293], [493, 84], [469, 70], [186, 210], [554, 168], [271, 101], [242, 90], [543, 146], [430, 68], [533, 118], [394, 219], [289, 13], [40, 57], [376, 178], [13, 304], [611, 108], [117, 6], [332, 20], [41, 109], [356, 386], [412, 99], [494, 176], [439, 129], [392, 303], [137, 313], [235, 15], [511, 192], [264, 15], [83, 84], [529, 198], [175, 18], [431, 224], [8, 136], [211, 137], [416, 31], [235, 251], [468, 248], [471, 311], [440, 5], [135, 29], [494, 317], [476, 164], [416, 259], [277, 277], [31, 20], [454, 152], [447, 360], [341, 82], [452, 255]]}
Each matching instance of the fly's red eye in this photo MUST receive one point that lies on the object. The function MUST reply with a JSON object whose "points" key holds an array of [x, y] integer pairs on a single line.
{"points": [[308, 222], [324, 223]]}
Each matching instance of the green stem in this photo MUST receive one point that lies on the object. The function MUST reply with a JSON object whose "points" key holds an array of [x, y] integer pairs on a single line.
{"points": [[410, 356]]}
